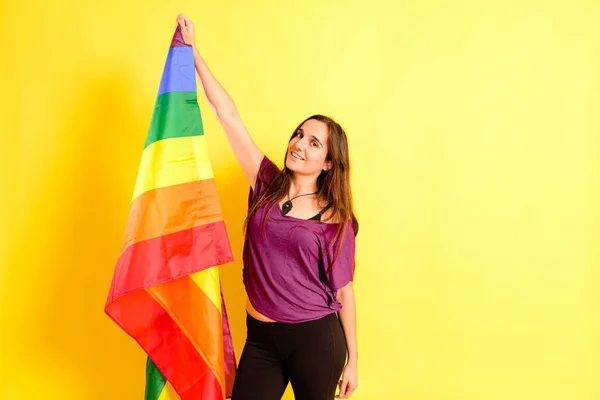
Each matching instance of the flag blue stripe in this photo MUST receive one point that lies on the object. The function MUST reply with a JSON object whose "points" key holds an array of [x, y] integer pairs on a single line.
{"points": [[179, 74]]}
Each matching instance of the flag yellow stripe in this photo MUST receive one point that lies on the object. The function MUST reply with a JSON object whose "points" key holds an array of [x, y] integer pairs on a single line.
{"points": [[168, 393], [208, 281], [173, 161]]}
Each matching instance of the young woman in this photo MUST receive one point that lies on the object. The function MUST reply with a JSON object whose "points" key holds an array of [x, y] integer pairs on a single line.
{"points": [[298, 256]]}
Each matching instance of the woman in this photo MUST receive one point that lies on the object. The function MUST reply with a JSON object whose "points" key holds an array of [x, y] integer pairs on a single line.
{"points": [[298, 256]]}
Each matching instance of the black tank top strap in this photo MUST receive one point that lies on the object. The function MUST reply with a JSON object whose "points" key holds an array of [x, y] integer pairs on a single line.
{"points": [[318, 216]]}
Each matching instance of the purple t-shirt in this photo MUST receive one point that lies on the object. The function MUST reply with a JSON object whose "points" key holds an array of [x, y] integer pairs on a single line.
{"points": [[288, 271]]}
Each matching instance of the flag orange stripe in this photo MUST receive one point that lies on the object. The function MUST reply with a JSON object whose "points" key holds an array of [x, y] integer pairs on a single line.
{"points": [[165, 291], [172, 209], [197, 316], [152, 327]]}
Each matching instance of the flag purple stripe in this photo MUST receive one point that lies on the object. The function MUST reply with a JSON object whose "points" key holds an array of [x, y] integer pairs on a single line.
{"points": [[229, 355], [178, 39]]}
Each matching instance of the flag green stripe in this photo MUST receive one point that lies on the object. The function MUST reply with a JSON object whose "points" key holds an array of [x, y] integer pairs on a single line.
{"points": [[155, 381], [176, 114]]}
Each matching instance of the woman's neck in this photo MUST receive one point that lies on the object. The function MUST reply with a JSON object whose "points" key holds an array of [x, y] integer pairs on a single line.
{"points": [[302, 185]]}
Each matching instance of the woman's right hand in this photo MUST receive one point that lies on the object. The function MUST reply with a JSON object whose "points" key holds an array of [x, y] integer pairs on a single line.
{"points": [[187, 30]]}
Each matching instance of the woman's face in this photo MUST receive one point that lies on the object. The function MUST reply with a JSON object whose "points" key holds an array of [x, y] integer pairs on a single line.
{"points": [[307, 151]]}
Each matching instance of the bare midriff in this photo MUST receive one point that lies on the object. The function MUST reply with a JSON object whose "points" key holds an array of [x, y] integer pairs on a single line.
{"points": [[255, 314]]}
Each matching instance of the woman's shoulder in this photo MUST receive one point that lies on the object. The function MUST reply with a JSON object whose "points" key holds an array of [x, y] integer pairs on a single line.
{"points": [[332, 223], [268, 169], [329, 216], [266, 173]]}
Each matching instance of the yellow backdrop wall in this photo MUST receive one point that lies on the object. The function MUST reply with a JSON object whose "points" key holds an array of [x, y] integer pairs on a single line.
{"points": [[474, 129]]}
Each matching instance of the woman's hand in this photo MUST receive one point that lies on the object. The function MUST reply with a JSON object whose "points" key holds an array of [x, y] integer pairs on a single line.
{"points": [[349, 381], [187, 30]]}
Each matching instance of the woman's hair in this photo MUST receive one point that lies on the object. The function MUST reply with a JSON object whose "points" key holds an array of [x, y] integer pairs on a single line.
{"points": [[333, 186]]}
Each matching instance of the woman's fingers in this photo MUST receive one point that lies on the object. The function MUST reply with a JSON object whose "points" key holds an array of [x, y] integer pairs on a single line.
{"points": [[181, 21], [187, 29], [349, 390], [343, 387]]}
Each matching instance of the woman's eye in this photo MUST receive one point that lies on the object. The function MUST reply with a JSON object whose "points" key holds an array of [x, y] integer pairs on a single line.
{"points": [[314, 144]]}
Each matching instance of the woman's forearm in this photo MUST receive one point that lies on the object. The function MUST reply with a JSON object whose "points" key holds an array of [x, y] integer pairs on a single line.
{"points": [[246, 152], [218, 98], [348, 319]]}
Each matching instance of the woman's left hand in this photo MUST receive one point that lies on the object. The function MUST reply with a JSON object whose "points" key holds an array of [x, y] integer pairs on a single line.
{"points": [[349, 381]]}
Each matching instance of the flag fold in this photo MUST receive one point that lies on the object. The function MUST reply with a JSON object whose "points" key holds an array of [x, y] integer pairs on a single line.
{"points": [[166, 291]]}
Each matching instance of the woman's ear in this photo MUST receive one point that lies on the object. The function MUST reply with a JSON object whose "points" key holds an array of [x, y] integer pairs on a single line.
{"points": [[328, 165]]}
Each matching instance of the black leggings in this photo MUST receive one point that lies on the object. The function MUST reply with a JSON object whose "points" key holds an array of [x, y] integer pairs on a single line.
{"points": [[309, 355]]}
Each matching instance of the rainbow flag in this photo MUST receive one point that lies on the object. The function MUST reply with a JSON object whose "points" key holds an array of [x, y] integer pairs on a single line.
{"points": [[166, 291]]}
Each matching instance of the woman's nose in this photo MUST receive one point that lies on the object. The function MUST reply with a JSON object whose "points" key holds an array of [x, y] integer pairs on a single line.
{"points": [[301, 143]]}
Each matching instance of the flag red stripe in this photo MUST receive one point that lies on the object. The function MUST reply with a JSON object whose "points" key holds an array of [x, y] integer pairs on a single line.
{"points": [[198, 316], [159, 260], [152, 327]]}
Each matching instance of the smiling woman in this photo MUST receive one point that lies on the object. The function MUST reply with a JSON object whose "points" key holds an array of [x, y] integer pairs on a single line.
{"points": [[476, 120], [298, 256], [316, 163]]}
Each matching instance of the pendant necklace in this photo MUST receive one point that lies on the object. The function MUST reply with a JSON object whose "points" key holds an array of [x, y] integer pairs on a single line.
{"points": [[287, 206]]}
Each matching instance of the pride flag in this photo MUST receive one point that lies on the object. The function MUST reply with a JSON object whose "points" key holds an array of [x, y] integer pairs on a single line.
{"points": [[166, 291]]}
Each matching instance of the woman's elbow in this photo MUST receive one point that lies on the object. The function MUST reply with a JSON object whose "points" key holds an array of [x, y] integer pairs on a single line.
{"points": [[345, 293], [226, 115]]}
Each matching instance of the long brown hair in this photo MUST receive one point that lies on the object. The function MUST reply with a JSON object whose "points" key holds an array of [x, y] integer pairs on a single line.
{"points": [[333, 186]]}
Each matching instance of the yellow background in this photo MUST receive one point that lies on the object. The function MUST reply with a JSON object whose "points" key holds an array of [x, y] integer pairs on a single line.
{"points": [[474, 129]]}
